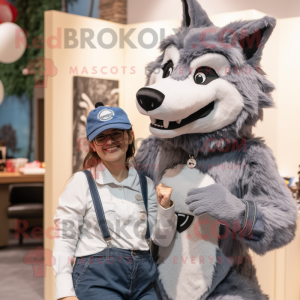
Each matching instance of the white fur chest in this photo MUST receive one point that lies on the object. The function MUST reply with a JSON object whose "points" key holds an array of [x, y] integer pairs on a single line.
{"points": [[187, 266]]}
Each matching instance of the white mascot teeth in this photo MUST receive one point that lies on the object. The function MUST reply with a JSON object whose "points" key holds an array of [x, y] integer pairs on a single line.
{"points": [[227, 192]]}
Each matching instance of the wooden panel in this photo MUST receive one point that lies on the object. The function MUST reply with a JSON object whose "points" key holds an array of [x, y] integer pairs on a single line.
{"points": [[59, 106], [288, 96], [280, 274], [265, 267], [278, 271], [292, 259]]}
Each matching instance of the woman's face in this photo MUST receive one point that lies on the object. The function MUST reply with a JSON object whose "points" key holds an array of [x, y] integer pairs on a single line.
{"points": [[112, 151]]}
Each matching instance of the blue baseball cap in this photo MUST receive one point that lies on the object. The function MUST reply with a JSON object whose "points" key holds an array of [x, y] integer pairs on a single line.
{"points": [[105, 117]]}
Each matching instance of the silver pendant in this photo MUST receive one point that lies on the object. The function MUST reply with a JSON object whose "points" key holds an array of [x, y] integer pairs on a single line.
{"points": [[191, 163]]}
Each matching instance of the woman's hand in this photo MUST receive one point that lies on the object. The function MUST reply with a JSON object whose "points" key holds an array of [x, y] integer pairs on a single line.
{"points": [[163, 193], [69, 298]]}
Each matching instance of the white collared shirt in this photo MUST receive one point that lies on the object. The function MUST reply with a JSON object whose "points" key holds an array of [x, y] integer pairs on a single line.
{"points": [[77, 231]]}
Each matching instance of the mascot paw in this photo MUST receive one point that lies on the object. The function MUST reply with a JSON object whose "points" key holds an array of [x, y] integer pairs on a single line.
{"points": [[216, 201]]}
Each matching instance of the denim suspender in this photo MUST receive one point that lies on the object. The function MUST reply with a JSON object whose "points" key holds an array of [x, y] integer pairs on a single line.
{"points": [[99, 209], [144, 188]]}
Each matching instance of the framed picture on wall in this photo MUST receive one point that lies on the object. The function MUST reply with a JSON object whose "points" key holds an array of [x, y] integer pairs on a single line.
{"points": [[86, 93]]}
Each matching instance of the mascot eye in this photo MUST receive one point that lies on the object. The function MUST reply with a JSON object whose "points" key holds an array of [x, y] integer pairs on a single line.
{"points": [[205, 75], [200, 78], [168, 69]]}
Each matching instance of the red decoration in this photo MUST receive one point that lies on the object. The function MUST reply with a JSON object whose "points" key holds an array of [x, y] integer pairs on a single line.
{"points": [[8, 12]]}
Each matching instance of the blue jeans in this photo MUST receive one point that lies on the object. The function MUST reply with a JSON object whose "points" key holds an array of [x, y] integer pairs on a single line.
{"points": [[115, 274]]}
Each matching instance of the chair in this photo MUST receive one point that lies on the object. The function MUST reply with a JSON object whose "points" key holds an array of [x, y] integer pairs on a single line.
{"points": [[26, 201]]}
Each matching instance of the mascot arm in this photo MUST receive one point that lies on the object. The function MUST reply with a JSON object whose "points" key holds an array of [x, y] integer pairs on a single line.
{"points": [[265, 217], [276, 210], [144, 160]]}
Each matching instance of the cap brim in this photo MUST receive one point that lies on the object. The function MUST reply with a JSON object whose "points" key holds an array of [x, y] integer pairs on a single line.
{"points": [[108, 126]]}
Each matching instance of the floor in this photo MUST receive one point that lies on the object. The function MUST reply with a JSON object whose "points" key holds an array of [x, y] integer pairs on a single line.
{"points": [[20, 279]]}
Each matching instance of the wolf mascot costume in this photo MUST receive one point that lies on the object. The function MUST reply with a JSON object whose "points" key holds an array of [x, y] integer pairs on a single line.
{"points": [[204, 94]]}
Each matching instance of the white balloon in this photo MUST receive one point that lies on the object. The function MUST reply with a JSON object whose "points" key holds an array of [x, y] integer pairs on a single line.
{"points": [[1, 92], [12, 42]]}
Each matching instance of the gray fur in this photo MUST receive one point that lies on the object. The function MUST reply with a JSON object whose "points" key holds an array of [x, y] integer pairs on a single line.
{"points": [[254, 87], [221, 272], [160, 291], [197, 15], [218, 202], [252, 26], [237, 287], [249, 173], [232, 156]]}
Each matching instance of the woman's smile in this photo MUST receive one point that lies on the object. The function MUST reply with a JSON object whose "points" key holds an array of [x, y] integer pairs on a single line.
{"points": [[111, 149]]}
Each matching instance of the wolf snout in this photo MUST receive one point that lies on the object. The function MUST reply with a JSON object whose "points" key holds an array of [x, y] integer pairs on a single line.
{"points": [[149, 99]]}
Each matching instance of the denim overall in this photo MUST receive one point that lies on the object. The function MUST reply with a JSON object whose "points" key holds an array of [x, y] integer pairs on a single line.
{"points": [[115, 273]]}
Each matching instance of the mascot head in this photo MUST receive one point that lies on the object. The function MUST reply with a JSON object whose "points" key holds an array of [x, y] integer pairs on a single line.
{"points": [[208, 79]]}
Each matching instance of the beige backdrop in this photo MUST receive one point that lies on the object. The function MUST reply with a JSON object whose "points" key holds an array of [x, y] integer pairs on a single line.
{"points": [[281, 62]]}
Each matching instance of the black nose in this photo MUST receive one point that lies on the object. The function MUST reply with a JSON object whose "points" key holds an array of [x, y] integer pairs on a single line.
{"points": [[149, 99]]}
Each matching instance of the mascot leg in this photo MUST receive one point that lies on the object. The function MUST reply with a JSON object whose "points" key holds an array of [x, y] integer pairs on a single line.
{"points": [[237, 287], [160, 291]]}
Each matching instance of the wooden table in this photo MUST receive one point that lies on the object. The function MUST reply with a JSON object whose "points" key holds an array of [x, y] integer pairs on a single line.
{"points": [[6, 179]]}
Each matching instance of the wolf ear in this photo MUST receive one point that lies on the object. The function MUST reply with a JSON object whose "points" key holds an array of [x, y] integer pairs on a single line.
{"points": [[253, 35], [194, 15]]}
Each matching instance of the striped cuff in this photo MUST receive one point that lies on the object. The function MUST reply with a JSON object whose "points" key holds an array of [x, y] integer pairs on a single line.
{"points": [[250, 218]]}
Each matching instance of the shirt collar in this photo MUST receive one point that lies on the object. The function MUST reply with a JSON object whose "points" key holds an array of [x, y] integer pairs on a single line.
{"points": [[103, 176]]}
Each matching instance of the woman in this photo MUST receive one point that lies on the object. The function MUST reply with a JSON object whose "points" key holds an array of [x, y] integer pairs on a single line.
{"points": [[117, 264]]}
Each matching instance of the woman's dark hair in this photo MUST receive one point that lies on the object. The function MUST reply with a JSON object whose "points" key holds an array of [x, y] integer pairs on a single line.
{"points": [[92, 159]]}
